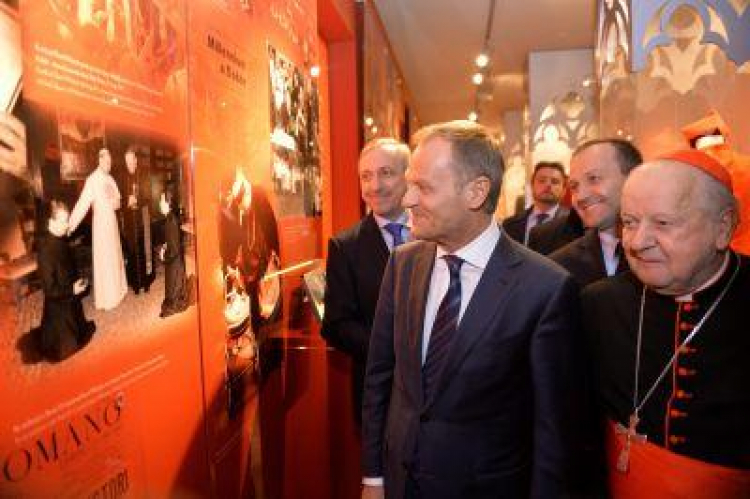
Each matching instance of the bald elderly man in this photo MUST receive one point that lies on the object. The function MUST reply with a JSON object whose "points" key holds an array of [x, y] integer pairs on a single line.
{"points": [[670, 337]]}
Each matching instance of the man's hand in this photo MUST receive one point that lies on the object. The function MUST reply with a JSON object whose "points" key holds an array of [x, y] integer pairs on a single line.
{"points": [[373, 492], [13, 146]]}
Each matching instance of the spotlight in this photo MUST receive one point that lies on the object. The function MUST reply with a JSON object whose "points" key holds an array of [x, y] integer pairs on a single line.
{"points": [[315, 71], [477, 78], [368, 121], [482, 60], [473, 116]]}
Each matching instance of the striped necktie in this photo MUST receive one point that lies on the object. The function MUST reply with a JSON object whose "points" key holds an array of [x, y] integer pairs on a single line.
{"points": [[444, 328]]}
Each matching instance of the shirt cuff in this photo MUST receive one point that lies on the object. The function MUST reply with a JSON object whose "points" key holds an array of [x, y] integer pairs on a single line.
{"points": [[373, 481]]}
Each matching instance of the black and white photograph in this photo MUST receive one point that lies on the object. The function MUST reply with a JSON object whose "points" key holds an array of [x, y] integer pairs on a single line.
{"points": [[295, 135]]}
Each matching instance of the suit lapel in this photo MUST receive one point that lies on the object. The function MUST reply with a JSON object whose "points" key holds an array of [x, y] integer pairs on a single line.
{"points": [[593, 247], [561, 212], [373, 238], [489, 299], [415, 310]]}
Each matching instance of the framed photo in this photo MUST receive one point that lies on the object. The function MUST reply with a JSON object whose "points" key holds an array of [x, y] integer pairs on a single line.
{"points": [[80, 141]]}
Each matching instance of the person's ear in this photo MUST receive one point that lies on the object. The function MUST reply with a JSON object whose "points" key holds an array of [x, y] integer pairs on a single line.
{"points": [[476, 192], [727, 223]]}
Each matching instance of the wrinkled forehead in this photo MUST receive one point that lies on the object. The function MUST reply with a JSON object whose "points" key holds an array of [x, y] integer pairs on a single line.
{"points": [[548, 172], [594, 155], [666, 185], [380, 157]]}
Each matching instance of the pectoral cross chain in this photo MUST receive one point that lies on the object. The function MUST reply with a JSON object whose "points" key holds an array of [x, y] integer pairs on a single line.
{"points": [[623, 460]]}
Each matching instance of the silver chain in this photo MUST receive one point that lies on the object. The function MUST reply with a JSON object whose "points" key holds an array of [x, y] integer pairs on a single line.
{"points": [[638, 406]]}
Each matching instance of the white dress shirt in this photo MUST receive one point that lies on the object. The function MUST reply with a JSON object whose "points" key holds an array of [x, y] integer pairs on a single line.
{"points": [[609, 251], [475, 255], [531, 221]]}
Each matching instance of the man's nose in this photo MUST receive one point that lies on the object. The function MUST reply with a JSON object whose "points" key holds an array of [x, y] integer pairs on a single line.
{"points": [[410, 197], [637, 238]]}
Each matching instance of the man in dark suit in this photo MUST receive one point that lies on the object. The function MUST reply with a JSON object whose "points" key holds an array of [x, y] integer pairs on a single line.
{"points": [[470, 354], [357, 256], [134, 183], [598, 171], [547, 187], [556, 233]]}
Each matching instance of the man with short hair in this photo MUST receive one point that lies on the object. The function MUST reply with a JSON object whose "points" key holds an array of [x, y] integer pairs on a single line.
{"points": [[358, 255], [547, 187], [470, 355], [670, 339], [134, 183], [598, 171]]}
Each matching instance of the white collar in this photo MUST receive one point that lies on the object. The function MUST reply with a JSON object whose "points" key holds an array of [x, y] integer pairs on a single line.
{"points": [[551, 212], [710, 282], [382, 221], [608, 239], [477, 252]]}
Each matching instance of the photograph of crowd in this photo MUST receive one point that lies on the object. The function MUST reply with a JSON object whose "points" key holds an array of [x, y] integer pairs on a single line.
{"points": [[295, 133]]}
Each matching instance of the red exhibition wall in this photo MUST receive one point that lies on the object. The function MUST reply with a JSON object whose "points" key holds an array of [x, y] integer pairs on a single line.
{"points": [[110, 411], [205, 375]]}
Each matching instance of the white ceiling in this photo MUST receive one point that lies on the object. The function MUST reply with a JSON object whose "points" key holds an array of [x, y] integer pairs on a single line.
{"points": [[436, 41]]}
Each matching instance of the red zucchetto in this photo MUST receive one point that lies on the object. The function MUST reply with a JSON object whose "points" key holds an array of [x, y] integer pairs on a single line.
{"points": [[702, 161]]}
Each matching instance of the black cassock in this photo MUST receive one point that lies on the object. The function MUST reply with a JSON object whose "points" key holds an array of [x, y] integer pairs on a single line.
{"points": [[136, 230], [64, 327], [176, 296], [701, 408]]}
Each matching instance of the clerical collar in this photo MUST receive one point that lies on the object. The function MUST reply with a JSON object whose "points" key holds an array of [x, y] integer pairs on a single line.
{"points": [[638, 403], [710, 282]]}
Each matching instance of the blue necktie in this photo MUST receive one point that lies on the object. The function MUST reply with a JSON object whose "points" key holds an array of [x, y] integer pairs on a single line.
{"points": [[444, 328], [394, 229], [541, 218]]}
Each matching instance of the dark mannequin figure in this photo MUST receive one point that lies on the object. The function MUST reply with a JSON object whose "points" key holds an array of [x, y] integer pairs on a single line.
{"points": [[135, 222], [64, 328], [176, 292]]}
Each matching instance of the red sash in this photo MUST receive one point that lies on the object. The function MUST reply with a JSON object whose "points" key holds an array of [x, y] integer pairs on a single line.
{"points": [[655, 472]]}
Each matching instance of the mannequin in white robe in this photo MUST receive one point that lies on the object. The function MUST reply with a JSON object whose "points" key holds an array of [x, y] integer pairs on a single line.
{"points": [[101, 194]]}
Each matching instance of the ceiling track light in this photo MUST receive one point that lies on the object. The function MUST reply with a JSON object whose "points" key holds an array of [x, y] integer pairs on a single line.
{"points": [[482, 60]]}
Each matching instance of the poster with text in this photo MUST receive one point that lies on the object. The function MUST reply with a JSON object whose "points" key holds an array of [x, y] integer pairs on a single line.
{"points": [[100, 341]]}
